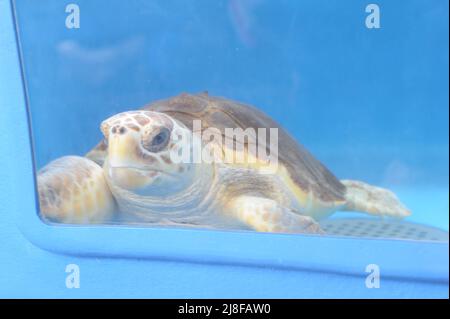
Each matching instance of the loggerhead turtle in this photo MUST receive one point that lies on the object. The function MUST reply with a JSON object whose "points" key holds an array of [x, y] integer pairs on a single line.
{"points": [[131, 174]]}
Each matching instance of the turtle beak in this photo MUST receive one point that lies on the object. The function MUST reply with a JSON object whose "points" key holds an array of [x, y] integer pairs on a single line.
{"points": [[123, 163], [122, 150]]}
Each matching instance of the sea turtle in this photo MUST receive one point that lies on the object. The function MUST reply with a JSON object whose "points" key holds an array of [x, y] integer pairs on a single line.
{"points": [[132, 175]]}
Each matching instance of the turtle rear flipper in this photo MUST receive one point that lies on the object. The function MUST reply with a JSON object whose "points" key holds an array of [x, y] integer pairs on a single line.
{"points": [[73, 190], [362, 197]]}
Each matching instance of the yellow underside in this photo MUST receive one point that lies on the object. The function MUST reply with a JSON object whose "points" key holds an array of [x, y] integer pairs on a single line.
{"points": [[312, 206]]}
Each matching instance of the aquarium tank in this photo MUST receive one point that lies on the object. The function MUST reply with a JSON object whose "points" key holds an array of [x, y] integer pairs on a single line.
{"points": [[213, 123]]}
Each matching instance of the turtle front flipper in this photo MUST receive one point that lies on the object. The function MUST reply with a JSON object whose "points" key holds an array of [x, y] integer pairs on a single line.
{"points": [[266, 215], [362, 197], [73, 190]]}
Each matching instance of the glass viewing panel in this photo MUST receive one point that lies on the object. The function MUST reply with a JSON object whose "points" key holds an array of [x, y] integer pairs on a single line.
{"points": [[191, 114]]}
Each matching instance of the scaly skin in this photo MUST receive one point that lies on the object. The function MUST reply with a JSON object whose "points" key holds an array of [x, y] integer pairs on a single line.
{"points": [[73, 189]]}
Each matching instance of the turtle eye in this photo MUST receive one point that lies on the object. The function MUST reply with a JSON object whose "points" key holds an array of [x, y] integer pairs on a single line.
{"points": [[159, 141]]}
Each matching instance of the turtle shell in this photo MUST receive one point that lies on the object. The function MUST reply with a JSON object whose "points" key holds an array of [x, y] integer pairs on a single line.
{"points": [[303, 168]]}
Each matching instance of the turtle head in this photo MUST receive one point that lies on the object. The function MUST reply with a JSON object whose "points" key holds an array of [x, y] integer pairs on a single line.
{"points": [[140, 149]]}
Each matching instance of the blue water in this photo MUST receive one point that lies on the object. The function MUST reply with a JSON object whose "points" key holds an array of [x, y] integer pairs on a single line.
{"points": [[372, 104]]}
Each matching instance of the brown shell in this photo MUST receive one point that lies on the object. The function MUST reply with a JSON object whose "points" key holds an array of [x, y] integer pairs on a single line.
{"points": [[305, 170]]}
